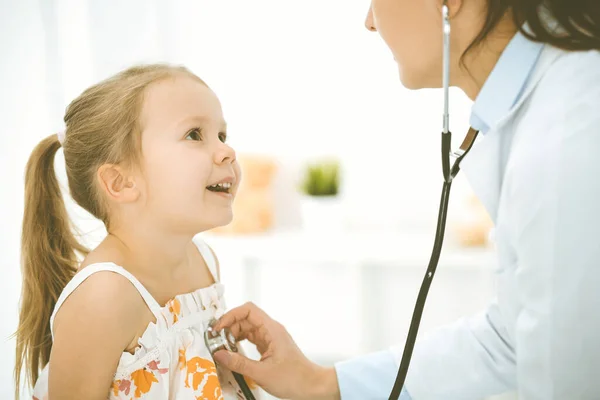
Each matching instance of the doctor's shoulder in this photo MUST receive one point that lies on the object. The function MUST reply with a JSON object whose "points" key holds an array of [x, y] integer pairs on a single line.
{"points": [[572, 81], [566, 100], [556, 128]]}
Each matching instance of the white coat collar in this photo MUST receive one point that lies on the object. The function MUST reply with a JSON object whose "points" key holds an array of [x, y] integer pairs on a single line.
{"points": [[506, 83], [484, 164]]}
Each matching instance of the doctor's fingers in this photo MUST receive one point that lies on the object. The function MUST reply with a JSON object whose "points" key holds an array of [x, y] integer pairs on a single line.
{"points": [[260, 336], [246, 317]]}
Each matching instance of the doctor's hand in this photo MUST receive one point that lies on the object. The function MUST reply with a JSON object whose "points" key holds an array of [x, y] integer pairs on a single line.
{"points": [[283, 370]]}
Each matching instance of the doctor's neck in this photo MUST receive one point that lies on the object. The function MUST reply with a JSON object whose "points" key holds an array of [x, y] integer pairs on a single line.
{"points": [[479, 61]]}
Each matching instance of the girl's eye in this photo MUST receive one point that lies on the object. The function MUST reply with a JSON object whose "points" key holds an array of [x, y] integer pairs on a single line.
{"points": [[223, 137], [194, 134]]}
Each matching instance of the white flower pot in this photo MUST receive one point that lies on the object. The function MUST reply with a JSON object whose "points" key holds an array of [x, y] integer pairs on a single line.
{"points": [[321, 213]]}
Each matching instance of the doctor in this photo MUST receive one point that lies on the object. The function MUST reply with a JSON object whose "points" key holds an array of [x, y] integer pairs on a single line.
{"points": [[535, 167]]}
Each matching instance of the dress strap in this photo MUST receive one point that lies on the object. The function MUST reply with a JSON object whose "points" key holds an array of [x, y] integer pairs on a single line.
{"points": [[208, 255], [111, 267]]}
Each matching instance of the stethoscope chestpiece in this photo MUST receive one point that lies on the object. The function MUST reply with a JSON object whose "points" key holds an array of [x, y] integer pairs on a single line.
{"points": [[223, 340]]}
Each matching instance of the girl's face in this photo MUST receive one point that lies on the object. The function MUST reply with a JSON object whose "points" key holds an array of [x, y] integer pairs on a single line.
{"points": [[189, 173]]}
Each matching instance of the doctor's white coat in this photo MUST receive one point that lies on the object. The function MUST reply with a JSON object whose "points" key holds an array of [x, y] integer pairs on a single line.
{"points": [[538, 174]]}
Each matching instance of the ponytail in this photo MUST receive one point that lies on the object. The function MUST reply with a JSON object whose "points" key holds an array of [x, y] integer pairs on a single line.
{"points": [[48, 260], [578, 22]]}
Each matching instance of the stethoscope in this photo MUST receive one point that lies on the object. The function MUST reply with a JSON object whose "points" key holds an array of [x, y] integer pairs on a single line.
{"points": [[450, 173], [224, 340]]}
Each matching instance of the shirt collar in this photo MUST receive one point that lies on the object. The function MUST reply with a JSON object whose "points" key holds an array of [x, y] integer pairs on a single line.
{"points": [[505, 85]]}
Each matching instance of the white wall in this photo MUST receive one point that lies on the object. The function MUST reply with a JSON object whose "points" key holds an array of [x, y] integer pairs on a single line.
{"points": [[296, 79]]}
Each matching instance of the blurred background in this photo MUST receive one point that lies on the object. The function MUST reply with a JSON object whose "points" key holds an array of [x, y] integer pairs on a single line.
{"points": [[335, 220]]}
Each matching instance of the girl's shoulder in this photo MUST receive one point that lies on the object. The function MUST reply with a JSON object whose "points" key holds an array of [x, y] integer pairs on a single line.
{"points": [[98, 294]]}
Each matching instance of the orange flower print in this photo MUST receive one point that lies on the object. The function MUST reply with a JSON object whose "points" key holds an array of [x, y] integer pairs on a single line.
{"points": [[204, 378], [175, 309], [212, 389], [143, 380]]}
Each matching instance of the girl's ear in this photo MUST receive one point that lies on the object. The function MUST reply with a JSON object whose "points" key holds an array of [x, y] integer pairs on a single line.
{"points": [[117, 185]]}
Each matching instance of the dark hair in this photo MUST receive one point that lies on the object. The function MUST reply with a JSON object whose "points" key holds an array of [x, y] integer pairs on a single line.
{"points": [[579, 22]]}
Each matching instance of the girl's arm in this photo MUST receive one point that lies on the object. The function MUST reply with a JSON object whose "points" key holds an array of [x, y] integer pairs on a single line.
{"points": [[97, 322]]}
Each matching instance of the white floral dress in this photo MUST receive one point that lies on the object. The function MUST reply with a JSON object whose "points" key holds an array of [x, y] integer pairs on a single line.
{"points": [[172, 360]]}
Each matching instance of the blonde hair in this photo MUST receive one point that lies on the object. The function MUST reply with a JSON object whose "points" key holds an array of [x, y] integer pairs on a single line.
{"points": [[102, 126]]}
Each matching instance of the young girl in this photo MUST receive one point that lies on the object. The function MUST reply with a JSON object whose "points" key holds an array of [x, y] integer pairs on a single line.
{"points": [[146, 153]]}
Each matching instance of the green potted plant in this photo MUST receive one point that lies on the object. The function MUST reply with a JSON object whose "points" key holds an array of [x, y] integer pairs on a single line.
{"points": [[321, 179], [321, 200]]}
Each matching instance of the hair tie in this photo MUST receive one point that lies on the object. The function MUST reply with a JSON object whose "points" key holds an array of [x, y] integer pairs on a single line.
{"points": [[61, 136]]}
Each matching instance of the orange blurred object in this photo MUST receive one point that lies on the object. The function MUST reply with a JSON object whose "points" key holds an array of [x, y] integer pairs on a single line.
{"points": [[253, 208], [474, 232]]}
